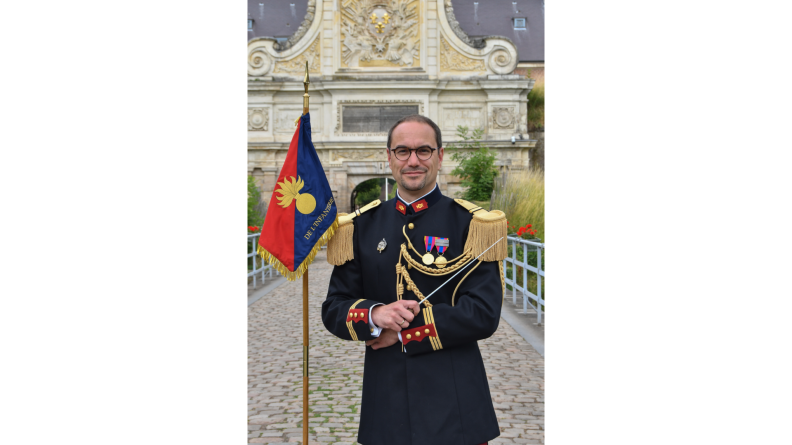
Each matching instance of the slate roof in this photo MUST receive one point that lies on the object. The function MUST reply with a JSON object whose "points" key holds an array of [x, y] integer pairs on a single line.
{"points": [[494, 18], [278, 18]]}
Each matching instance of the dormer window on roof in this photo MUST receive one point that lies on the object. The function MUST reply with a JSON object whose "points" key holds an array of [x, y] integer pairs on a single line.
{"points": [[250, 24], [519, 23]]}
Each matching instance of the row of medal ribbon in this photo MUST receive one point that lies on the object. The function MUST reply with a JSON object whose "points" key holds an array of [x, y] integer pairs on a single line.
{"points": [[430, 242]]}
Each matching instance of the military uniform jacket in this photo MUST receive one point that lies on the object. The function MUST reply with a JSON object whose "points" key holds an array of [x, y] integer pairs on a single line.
{"points": [[435, 393]]}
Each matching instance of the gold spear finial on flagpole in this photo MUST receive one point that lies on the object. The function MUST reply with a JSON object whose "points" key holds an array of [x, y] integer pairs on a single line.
{"points": [[305, 96]]}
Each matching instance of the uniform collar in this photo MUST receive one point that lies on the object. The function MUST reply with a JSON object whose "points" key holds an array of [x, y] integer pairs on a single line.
{"points": [[420, 204]]}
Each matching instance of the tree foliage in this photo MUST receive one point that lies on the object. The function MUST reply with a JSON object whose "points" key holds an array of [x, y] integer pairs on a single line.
{"points": [[368, 191], [371, 189], [393, 188], [476, 164], [255, 216]]}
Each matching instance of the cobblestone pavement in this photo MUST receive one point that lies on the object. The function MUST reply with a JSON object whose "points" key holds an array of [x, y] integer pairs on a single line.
{"points": [[514, 368]]}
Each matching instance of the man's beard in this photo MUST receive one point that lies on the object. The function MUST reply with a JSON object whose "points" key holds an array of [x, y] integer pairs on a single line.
{"points": [[403, 183]]}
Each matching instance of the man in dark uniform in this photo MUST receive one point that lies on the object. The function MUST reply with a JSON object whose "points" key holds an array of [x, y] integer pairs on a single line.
{"points": [[424, 380]]}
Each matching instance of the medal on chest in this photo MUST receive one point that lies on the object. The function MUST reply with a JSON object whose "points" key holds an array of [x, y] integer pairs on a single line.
{"points": [[428, 259], [442, 245]]}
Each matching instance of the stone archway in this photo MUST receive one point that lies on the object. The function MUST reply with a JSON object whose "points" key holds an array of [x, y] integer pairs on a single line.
{"points": [[353, 181], [382, 194]]}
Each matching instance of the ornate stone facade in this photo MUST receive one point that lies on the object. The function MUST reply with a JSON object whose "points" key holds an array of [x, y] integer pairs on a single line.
{"points": [[392, 56]]}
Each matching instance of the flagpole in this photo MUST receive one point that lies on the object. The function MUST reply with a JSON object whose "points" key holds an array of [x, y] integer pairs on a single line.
{"points": [[305, 304], [305, 357]]}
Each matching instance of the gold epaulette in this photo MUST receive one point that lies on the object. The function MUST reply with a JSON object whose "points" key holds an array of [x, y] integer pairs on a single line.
{"points": [[340, 249], [485, 229]]}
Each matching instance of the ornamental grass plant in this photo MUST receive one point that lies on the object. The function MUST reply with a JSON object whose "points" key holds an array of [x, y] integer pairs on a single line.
{"points": [[520, 194], [535, 111]]}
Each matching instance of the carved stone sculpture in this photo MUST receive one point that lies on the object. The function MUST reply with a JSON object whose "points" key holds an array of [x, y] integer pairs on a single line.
{"points": [[258, 119], [500, 61], [453, 60], [503, 118], [259, 62], [297, 64], [376, 31], [354, 155]]}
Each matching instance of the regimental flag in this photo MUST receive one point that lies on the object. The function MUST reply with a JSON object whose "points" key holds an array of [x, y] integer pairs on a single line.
{"points": [[302, 214]]}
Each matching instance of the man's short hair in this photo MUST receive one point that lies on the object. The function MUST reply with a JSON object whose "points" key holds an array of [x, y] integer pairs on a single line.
{"points": [[421, 119]]}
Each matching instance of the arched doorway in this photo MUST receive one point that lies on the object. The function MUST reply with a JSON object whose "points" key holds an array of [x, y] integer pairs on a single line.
{"points": [[371, 189]]}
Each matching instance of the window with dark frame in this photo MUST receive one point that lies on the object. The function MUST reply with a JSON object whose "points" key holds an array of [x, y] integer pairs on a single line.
{"points": [[519, 23], [373, 119]]}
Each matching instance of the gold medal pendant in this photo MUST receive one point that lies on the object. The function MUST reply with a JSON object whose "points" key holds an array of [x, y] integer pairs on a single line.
{"points": [[442, 245], [440, 262], [428, 259]]}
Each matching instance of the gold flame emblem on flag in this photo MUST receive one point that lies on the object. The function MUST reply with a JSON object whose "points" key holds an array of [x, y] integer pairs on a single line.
{"points": [[291, 191]]}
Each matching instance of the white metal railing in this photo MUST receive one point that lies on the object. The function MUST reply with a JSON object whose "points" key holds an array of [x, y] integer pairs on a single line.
{"points": [[527, 246], [253, 239]]}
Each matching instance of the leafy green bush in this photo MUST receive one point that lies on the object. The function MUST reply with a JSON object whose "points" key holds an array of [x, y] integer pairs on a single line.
{"points": [[476, 166], [255, 215]]}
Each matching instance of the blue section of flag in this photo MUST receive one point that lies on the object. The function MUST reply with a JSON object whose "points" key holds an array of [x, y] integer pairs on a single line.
{"points": [[308, 229]]}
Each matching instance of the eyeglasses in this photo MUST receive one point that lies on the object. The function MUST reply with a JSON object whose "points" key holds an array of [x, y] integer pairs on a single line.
{"points": [[423, 153]]}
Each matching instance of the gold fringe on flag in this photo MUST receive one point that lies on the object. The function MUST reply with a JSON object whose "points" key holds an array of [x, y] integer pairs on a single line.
{"points": [[299, 270]]}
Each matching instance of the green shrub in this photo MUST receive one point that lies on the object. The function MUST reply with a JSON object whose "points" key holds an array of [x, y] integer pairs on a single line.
{"points": [[476, 166]]}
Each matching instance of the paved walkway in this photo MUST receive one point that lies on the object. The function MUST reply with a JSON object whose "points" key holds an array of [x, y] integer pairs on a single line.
{"points": [[514, 368]]}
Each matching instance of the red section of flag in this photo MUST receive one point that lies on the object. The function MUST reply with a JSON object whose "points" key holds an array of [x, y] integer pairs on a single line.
{"points": [[277, 234]]}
